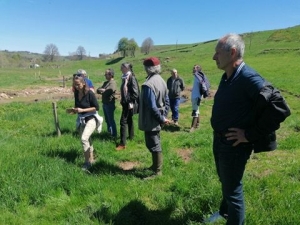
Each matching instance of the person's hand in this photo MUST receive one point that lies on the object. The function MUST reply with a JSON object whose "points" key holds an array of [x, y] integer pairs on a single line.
{"points": [[70, 111], [236, 134], [167, 121], [78, 110]]}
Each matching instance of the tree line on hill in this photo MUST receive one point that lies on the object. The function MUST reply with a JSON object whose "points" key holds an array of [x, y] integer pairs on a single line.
{"points": [[126, 47]]}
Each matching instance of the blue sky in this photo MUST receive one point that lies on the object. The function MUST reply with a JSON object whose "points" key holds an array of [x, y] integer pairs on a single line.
{"points": [[98, 25]]}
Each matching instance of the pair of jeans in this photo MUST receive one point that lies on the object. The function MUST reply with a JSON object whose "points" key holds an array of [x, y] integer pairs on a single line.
{"points": [[109, 115], [174, 105], [230, 164], [126, 122]]}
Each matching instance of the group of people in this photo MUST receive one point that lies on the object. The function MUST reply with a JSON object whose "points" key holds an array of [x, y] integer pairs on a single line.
{"points": [[152, 104], [232, 116]]}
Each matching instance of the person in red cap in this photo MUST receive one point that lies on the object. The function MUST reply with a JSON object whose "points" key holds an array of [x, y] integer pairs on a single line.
{"points": [[153, 111]]}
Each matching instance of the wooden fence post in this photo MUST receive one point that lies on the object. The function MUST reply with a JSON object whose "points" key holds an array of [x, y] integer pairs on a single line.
{"points": [[64, 82], [56, 123]]}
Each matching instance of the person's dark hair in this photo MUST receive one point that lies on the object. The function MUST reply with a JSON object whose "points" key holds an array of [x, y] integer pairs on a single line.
{"points": [[128, 66], [111, 72], [83, 81]]}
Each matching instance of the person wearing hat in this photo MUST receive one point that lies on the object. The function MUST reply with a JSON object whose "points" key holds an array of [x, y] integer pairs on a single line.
{"points": [[153, 111], [108, 90], [175, 86]]}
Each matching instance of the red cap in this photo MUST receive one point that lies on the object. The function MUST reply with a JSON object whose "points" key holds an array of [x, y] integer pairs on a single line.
{"points": [[152, 61]]}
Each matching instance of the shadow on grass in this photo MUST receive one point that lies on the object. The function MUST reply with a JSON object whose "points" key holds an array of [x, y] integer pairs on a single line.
{"points": [[64, 132], [100, 166], [135, 212], [103, 136], [103, 167], [171, 128], [114, 61], [69, 156]]}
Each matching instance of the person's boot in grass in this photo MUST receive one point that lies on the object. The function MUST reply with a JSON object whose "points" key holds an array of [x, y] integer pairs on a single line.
{"points": [[198, 122], [92, 158], [151, 168], [87, 163], [176, 123], [194, 124], [157, 165]]}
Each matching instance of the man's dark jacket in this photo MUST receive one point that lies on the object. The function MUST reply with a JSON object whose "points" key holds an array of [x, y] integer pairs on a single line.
{"points": [[269, 111]]}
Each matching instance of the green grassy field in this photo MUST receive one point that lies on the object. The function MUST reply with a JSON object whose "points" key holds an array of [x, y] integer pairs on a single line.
{"points": [[41, 181]]}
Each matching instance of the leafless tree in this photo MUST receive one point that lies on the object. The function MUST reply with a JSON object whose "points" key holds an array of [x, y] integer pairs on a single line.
{"points": [[81, 53], [51, 51], [147, 45]]}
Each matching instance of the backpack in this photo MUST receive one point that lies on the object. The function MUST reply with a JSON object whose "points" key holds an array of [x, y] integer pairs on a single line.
{"points": [[204, 84]]}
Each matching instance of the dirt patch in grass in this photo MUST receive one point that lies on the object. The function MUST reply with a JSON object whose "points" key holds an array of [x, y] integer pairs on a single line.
{"points": [[57, 93], [185, 154], [186, 94], [37, 94], [127, 165]]}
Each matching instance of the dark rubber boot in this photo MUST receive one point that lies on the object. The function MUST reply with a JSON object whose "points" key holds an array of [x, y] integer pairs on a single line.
{"points": [[194, 124]]}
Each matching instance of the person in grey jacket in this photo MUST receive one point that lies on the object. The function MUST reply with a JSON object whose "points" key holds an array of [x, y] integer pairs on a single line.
{"points": [[175, 86], [153, 111]]}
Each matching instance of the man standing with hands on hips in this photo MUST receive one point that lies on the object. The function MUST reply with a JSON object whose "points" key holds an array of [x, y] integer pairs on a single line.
{"points": [[238, 127]]}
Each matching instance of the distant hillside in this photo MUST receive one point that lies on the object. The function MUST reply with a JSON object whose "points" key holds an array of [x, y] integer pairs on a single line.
{"points": [[262, 42]]}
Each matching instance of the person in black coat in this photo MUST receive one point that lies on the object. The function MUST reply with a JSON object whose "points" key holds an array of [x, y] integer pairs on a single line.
{"points": [[241, 117], [129, 101]]}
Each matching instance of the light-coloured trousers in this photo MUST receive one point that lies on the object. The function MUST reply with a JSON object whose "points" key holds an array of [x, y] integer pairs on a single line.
{"points": [[85, 131]]}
